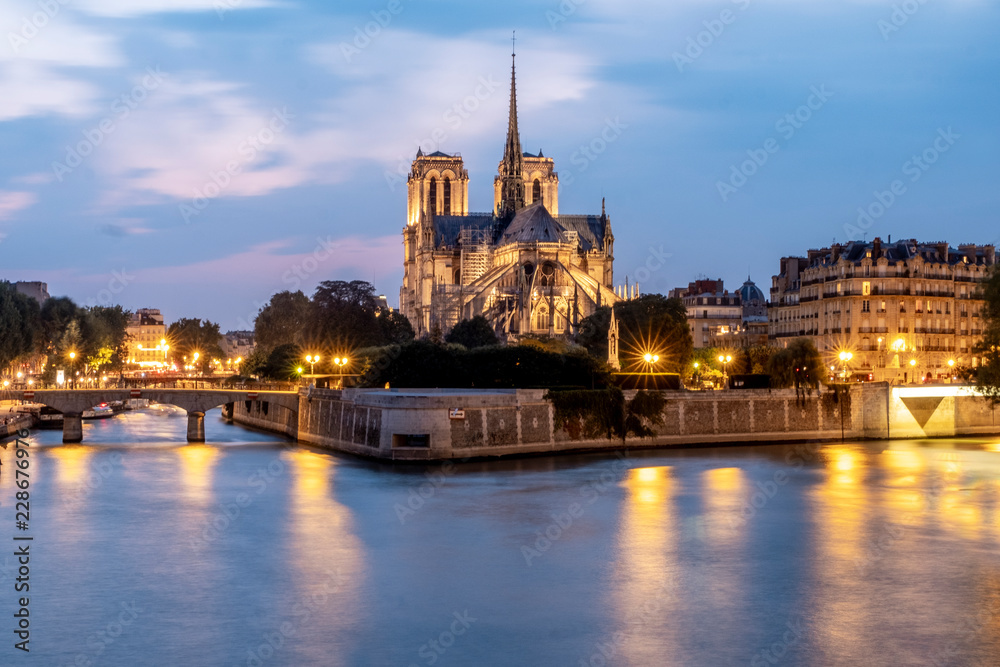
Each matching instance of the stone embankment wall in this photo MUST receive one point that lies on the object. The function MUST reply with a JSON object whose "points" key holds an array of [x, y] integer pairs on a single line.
{"points": [[263, 415], [444, 424]]}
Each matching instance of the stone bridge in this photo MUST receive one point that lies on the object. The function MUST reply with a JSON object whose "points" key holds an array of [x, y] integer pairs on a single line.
{"points": [[73, 402]]}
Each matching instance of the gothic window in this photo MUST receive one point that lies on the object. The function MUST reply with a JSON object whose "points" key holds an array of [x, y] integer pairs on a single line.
{"points": [[458, 276], [536, 191], [542, 318], [433, 195], [447, 196], [548, 274]]}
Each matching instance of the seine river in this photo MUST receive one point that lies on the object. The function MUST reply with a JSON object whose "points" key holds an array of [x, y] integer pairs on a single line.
{"points": [[250, 550]]}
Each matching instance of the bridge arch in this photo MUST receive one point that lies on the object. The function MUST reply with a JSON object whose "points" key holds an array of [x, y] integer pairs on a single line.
{"points": [[196, 402]]}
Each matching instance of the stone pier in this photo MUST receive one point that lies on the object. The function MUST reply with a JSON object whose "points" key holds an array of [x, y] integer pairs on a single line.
{"points": [[196, 427], [72, 427]]}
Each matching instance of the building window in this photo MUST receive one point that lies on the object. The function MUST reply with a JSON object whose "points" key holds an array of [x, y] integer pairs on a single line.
{"points": [[447, 196], [866, 305], [542, 318], [548, 274], [432, 196], [866, 288], [536, 191]]}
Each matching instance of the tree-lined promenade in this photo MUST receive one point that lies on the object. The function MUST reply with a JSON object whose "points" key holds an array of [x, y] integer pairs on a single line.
{"points": [[345, 328]]}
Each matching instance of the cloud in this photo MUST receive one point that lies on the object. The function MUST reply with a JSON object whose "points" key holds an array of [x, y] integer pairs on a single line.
{"points": [[13, 201], [185, 134], [131, 8]]}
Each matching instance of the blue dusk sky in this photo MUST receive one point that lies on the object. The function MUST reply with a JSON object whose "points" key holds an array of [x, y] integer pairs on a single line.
{"points": [[198, 156]]}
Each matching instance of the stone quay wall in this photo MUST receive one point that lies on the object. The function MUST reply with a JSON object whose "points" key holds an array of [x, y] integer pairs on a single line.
{"points": [[440, 424]]}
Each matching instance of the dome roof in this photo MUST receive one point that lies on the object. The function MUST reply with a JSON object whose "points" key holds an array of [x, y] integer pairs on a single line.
{"points": [[749, 292]]}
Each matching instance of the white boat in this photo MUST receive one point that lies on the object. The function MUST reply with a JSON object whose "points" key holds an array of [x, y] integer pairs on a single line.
{"points": [[102, 411]]}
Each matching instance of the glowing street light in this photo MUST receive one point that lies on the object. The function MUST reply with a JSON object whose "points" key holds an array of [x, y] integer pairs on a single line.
{"points": [[651, 358], [312, 360], [844, 357], [724, 359]]}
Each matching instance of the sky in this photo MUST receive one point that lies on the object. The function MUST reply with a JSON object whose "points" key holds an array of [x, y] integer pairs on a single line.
{"points": [[198, 156]]}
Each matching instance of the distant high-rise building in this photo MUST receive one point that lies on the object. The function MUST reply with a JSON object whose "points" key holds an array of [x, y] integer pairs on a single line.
{"points": [[904, 310]]}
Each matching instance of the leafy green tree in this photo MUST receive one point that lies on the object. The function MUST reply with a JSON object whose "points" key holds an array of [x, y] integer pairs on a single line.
{"points": [[20, 325], [987, 375], [283, 363], [476, 332], [651, 323], [799, 365], [188, 336], [285, 319], [104, 337], [344, 316], [395, 327], [56, 315], [254, 363]]}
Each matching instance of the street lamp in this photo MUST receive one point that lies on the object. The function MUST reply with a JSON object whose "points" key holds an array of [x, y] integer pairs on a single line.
{"points": [[725, 359], [845, 356], [312, 360], [651, 358], [72, 365]]}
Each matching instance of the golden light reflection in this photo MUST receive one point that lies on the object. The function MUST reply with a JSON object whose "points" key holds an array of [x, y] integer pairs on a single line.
{"points": [[197, 463], [327, 556], [992, 447], [647, 545], [903, 494], [725, 495], [71, 465]]}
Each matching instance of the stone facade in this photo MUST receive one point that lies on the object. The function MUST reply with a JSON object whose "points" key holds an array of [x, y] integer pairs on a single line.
{"points": [[524, 266], [906, 311]]}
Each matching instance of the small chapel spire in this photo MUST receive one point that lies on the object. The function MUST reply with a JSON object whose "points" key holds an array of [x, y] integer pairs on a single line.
{"points": [[512, 165]]}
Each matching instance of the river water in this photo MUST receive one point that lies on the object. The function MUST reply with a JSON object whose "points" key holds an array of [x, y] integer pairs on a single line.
{"points": [[251, 550]]}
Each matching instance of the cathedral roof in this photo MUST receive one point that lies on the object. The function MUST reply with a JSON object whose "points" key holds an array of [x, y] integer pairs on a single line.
{"points": [[448, 228], [533, 223]]}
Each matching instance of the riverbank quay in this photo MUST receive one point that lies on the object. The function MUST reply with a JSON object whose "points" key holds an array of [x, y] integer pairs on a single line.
{"points": [[12, 422], [445, 424]]}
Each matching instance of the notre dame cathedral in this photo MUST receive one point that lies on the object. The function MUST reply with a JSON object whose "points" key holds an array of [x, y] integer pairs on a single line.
{"points": [[525, 267]]}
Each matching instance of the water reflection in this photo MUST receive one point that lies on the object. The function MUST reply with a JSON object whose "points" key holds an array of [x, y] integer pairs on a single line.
{"points": [[326, 556], [195, 472], [648, 560]]}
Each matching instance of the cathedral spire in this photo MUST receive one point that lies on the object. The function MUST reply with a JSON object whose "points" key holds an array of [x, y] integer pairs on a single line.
{"points": [[512, 165]]}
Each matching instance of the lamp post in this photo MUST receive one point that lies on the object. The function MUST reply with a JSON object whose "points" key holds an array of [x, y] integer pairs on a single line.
{"points": [[72, 367], [844, 356], [312, 360], [724, 359]]}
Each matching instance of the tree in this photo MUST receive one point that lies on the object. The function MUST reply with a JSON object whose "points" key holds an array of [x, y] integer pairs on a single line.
{"points": [[395, 327], [20, 325], [799, 365], [190, 336], [987, 375], [476, 332], [344, 315], [283, 362], [55, 317], [104, 337], [254, 363], [652, 323], [285, 319]]}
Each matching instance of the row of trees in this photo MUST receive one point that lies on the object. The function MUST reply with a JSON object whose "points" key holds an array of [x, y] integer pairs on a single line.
{"points": [[96, 335]]}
